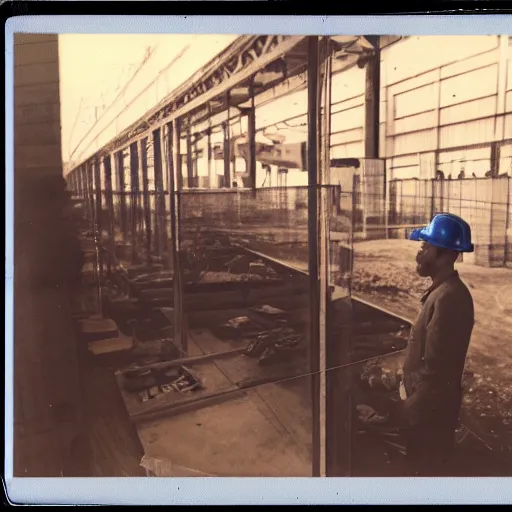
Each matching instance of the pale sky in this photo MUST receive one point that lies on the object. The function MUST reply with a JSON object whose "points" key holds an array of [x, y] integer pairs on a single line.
{"points": [[93, 70]]}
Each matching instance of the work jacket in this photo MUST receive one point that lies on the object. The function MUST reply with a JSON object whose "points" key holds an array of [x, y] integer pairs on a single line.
{"points": [[436, 353]]}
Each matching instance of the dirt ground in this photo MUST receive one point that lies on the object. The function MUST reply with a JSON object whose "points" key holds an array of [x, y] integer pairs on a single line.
{"points": [[384, 273]]}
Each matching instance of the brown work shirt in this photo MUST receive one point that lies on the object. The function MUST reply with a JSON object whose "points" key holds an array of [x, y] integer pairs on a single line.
{"points": [[436, 352]]}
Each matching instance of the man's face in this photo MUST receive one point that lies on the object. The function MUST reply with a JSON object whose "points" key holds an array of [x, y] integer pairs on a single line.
{"points": [[426, 260]]}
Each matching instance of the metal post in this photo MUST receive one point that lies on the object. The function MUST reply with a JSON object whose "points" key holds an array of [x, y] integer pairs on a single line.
{"points": [[507, 223], [160, 197], [327, 410], [335, 318], [190, 165], [80, 182], [90, 193], [372, 101], [178, 167], [227, 147], [166, 178], [251, 138], [98, 196], [109, 200], [143, 165], [134, 186], [98, 210], [314, 354], [173, 140], [121, 180], [209, 156]]}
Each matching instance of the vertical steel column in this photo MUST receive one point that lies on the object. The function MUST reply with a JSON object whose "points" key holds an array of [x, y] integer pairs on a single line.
{"points": [[507, 224], [79, 182], [98, 196], [134, 186], [161, 238], [143, 165], [109, 200], [227, 146], [337, 312], [178, 167], [90, 193], [83, 181], [190, 163], [71, 184], [98, 232], [314, 282], [372, 101], [251, 138], [172, 142], [121, 180], [324, 270], [209, 156]]}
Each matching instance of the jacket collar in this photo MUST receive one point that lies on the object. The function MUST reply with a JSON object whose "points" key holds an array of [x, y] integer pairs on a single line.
{"points": [[438, 281]]}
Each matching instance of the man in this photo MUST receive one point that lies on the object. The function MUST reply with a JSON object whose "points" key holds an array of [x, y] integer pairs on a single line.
{"points": [[437, 348]]}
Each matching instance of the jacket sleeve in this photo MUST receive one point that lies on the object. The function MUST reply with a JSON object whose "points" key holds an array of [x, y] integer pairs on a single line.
{"points": [[446, 336]]}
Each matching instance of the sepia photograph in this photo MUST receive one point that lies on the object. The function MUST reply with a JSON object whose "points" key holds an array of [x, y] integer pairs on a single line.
{"points": [[262, 255]]}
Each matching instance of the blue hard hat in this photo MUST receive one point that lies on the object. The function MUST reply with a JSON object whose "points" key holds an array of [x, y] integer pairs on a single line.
{"points": [[447, 231]]}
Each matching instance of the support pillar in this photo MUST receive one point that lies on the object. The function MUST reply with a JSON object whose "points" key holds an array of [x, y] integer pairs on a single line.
{"points": [[211, 168], [143, 165], [161, 239], [313, 264], [227, 146], [109, 200], [96, 166], [372, 101], [178, 167], [121, 180], [172, 141], [251, 139], [90, 191], [134, 189], [190, 163], [336, 331]]}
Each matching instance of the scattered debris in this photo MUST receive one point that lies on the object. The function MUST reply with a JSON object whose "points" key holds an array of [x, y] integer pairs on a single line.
{"points": [[369, 415], [237, 328], [270, 343], [269, 310], [152, 382], [258, 268], [238, 321]]}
